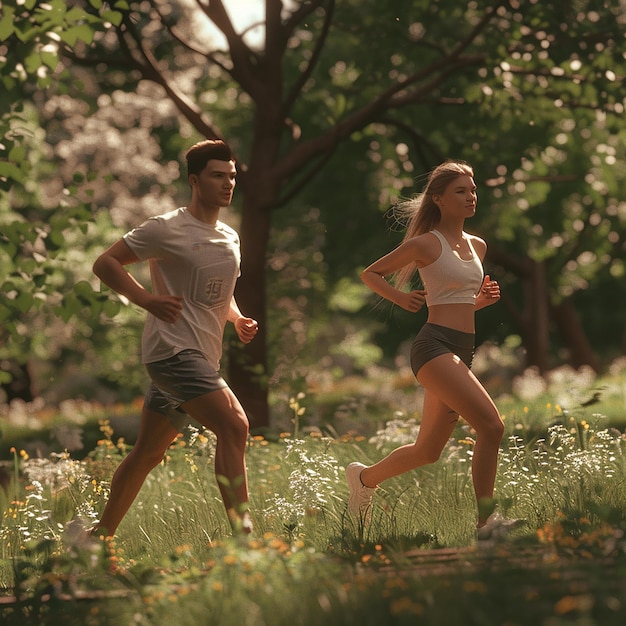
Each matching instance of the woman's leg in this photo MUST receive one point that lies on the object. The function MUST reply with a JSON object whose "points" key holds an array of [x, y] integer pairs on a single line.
{"points": [[438, 422], [156, 433], [451, 390], [220, 412], [448, 378]]}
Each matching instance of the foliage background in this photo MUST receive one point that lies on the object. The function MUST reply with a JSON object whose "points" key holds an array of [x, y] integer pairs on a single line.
{"points": [[103, 98]]}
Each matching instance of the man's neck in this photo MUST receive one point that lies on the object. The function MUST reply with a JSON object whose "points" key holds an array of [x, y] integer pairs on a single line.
{"points": [[203, 213]]}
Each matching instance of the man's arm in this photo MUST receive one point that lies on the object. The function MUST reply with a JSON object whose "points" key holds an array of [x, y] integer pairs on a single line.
{"points": [[109, 268], [246, 327]]}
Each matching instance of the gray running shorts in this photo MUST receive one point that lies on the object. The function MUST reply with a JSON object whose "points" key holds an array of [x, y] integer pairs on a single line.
{"points": [[434, 340], [178, 379]]}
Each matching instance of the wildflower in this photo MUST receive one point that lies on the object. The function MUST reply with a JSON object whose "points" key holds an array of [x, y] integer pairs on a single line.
{"points": [[396, 583], [405, 605], [474, 586], [569, 604]]}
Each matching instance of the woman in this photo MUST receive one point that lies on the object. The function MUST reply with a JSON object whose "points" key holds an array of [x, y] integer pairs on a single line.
{"points": [[449, 262]]}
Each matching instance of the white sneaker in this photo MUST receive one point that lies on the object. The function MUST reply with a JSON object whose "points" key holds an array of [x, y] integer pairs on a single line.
{"points": [[496, 527], [360, 501]]}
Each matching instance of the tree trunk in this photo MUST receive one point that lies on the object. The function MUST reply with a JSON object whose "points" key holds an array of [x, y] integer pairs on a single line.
{"points": [[536, 316], [574, 336], [21, 386], [247, 365], [533, 316]]}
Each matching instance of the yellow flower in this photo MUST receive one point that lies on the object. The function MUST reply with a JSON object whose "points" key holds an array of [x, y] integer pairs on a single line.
{"points": [[568, 604], [474, 586], [405, 605]]}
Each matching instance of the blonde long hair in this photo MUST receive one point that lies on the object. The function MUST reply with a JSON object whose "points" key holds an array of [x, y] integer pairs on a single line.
{"points": [[420, 212]]}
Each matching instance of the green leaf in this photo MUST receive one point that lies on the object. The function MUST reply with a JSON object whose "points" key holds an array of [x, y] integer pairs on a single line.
{"points": [[115, 17], [50, 59], [84, 290], [6, 23], [24, 301], [11, 171], [77, 33], [111, 307]]}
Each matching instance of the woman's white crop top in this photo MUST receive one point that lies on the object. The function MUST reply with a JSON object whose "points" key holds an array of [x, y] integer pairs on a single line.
{"points": [[449, 279]]}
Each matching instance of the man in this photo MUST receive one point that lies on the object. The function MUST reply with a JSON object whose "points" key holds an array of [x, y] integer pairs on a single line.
{"points": [[194, 264]]}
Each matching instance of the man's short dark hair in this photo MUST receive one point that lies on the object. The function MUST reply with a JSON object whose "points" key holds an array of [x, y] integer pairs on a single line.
{"points": [[201, 153]]}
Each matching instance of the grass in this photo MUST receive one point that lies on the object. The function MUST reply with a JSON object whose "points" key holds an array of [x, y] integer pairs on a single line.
{"points": [[562, 471]]}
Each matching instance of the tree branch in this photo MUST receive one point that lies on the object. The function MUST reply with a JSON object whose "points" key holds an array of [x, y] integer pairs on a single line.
{"points": [[389, 98], [170, 29], [319, 46], [244, 59], [149, 70]]}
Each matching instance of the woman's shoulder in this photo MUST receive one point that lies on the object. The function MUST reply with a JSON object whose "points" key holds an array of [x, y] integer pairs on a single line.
{"points": [[426, 247], [479, 244], [427, 238]]}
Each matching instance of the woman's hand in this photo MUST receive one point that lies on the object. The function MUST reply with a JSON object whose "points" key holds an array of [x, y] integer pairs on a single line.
{"points": [[412, 301], [488, 294]]}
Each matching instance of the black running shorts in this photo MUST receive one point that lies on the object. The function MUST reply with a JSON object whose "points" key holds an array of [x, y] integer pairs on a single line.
{"points": [[434, 340]]}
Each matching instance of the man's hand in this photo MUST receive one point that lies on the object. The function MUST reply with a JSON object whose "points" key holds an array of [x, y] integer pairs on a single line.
{"points": [[165, 308], [246, 328]]}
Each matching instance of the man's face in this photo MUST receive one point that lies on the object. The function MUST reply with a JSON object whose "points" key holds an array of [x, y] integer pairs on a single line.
{"points": [[214, 185]]}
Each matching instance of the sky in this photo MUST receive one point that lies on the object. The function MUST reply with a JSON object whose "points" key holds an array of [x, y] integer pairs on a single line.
{"points": [[246, 12]]}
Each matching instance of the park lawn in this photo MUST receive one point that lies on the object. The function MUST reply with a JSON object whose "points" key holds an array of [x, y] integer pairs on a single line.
{"points": [[562, 473]]}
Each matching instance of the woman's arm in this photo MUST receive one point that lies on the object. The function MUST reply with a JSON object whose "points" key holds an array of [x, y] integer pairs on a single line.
{"points": [[488, 294], [375, 275]]}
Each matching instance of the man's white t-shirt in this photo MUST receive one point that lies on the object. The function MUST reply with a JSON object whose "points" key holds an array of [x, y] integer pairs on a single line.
{"points": [[197, 261]]}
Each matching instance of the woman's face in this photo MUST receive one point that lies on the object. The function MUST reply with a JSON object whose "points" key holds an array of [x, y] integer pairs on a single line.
{"points": [[459, 198]]}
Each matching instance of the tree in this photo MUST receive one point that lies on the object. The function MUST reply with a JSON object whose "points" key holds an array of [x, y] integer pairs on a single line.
{"points": [[412, 73]]}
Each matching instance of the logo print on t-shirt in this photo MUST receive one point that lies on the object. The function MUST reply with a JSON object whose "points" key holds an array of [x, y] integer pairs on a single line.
{"points": [[211, 286], [214, 291]]}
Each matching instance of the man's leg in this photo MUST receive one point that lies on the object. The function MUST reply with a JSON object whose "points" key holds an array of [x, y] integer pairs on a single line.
{"points": [[156, 433], [220, 412]]}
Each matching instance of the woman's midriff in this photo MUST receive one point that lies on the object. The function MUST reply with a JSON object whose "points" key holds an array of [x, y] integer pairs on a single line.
{"points": [[457, 316]]}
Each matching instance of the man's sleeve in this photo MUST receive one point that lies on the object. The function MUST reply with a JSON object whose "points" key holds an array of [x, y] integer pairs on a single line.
{"points": [[145, 240]]}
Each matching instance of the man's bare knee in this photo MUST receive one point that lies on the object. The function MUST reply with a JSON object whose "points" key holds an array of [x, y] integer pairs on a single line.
{"points": [[493, 429], [234, 428]]}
